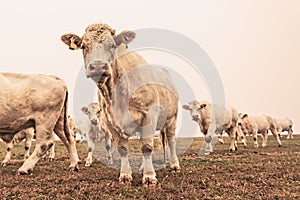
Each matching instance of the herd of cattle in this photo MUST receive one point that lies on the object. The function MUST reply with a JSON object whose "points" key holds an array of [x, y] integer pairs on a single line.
{"points": [[133, 97]]}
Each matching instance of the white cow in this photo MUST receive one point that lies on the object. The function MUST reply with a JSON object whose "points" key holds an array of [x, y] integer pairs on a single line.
{"points": [[285, 125], [39, 102], [258, 124], [214, 119], [95, 133]]}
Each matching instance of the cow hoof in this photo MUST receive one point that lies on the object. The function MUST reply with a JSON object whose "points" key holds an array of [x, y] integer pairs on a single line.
{"points": [[149, 181], [87, 164], [4, 164], [74, 168], [125, 178], [24, 172], [279, 145], [175, 168]]}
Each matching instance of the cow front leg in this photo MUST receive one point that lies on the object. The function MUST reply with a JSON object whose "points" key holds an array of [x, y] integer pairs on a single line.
{"points": [[7, 158], [255, 139], [91, 147], [28, 141], [233, 143], [51, 151], [264, 138], [125, 171], [290, 134], [149, 175], [108, 146], [275, 134]]}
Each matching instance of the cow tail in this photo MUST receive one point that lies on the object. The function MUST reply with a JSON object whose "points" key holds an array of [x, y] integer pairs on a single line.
{"points": [[163, 140], [66, 125]]}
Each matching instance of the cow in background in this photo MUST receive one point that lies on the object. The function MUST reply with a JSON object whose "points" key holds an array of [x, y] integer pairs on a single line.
{"points": [[258, 124], [39, 102], [95, 133]]}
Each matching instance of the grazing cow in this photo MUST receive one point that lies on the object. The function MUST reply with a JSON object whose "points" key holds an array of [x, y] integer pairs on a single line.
{"points": [[285, 125], [40, 102], [95, 133], [213, 119], [137, 97], [258, 124], [26, 134]]}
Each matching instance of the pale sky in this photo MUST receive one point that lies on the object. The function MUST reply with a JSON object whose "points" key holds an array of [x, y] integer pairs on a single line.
{"points": [[254, 44]]}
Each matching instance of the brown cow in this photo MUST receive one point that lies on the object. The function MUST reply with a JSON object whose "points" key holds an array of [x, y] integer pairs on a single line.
{"points": [[133, 100], [37, 101]]}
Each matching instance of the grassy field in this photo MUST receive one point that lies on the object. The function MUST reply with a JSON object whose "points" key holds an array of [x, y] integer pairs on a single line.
{"points": [[269, 173]]}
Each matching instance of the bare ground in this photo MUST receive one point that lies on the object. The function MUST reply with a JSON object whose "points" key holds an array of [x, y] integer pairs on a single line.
{"points": [[269, 173]]}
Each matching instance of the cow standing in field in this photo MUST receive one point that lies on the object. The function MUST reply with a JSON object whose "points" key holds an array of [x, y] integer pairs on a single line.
{"points": [[39, 102], [285, 125], [214, 119], [258, 124], [138, 97], [95, 133]]}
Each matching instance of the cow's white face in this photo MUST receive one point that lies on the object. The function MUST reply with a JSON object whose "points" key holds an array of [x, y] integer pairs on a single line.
{"points": [[194, 107], [93, 112], [99, 46]]}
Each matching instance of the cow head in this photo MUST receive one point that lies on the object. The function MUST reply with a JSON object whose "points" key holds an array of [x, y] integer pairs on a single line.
{"points": [[99, 45], [194, 107], [93, 112]]}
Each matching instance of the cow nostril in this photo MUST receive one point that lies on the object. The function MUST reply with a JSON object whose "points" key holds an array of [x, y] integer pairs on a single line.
{"points": [[91, 67], [105, 67]]}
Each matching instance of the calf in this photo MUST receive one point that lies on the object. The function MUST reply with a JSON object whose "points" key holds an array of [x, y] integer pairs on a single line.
{"points": [[95, 133]]}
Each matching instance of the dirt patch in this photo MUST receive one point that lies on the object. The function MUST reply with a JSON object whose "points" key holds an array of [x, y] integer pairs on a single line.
{"points": [[264, 173]]}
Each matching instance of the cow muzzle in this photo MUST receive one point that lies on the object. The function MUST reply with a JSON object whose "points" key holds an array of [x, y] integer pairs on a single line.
{"points": [[94, 122], [195, 117], [97, 68]]}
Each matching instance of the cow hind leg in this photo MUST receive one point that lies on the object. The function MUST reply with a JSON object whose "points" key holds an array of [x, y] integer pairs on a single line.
{"points": [[290, 133], [171, 140], [7, 157], [66, 135]]}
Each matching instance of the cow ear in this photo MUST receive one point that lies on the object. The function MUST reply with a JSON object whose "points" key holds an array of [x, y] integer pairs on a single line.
{"points": [[124, 37], [245, 115], [186, 107], [72, 40], [203, 105], [84, 110]]}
